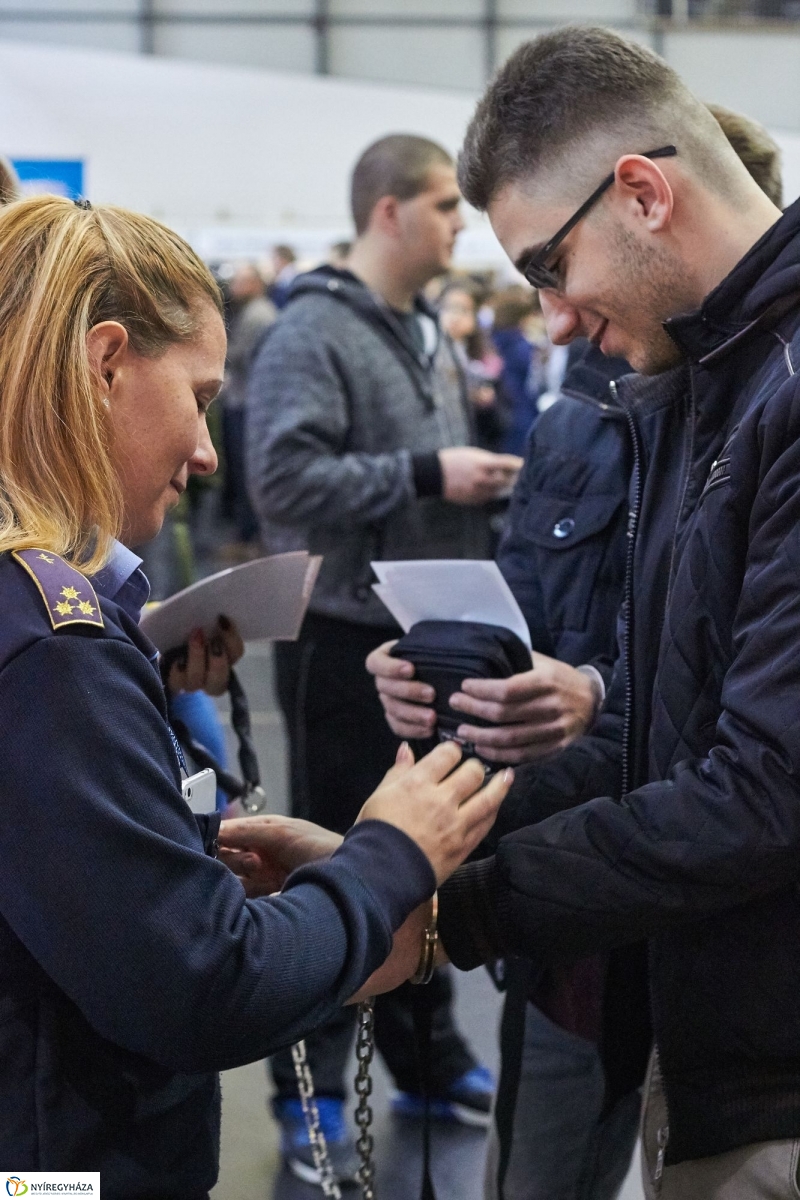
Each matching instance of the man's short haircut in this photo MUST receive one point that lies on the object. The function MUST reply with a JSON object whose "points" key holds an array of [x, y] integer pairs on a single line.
{"points": [[754, 146], [571, 102], [397, 165]]}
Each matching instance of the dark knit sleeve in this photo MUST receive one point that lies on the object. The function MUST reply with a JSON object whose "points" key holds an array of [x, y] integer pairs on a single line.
{"points": [[106, 882]]}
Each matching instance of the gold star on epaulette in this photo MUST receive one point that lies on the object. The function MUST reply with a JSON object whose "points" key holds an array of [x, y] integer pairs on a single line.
{"points": [[68, 595]]}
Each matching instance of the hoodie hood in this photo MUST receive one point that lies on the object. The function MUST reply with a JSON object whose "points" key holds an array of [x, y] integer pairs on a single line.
{"points": [[344, 287]]}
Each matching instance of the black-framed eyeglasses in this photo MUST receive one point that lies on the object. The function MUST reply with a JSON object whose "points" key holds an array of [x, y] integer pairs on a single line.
{"points": [[536, 272]]}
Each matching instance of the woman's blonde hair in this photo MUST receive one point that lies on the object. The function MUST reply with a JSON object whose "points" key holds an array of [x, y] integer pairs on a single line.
{"points": [[64, 269]]}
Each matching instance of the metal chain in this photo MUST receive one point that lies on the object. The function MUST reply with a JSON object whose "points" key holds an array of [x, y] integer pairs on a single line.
{"points": [[365, 1050], [319, 1148]]}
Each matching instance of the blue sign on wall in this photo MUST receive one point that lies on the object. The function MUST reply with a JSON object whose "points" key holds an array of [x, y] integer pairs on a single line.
{"points": [[56, 176]]}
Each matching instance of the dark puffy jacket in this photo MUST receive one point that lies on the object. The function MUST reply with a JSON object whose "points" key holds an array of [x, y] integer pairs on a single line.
{"points": [[700, 732]]}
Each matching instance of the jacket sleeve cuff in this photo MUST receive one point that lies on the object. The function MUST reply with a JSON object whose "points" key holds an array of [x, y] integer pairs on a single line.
{"points": [[208, 824], [598, 684], [427, 471], [391, 865], [468, 917]]}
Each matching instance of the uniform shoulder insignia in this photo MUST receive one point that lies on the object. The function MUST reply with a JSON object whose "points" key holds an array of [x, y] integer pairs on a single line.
{"points": [[68, 596]]}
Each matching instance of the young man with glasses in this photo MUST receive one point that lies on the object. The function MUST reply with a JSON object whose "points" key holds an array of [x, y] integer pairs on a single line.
{"points": [[683, 266]]}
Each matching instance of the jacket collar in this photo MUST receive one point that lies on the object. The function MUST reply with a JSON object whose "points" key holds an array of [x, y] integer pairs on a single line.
{"points": [[347, 287], [756, 295]]}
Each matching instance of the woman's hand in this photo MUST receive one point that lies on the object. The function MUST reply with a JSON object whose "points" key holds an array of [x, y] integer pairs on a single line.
{"points": [[207, 662], [263, 851], [403, 959], [441, 805]]}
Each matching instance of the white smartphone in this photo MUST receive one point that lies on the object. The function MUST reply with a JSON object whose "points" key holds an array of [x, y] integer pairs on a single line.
{"points": [[200, 791]]}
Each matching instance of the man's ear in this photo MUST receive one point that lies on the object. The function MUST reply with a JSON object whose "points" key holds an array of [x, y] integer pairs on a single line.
{"points": [[641, 185], [385, 216], [107, 346]]}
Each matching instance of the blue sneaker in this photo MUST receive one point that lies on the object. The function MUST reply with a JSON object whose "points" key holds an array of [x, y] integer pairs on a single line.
{"points": [[468, 1100], [296, 1147]]}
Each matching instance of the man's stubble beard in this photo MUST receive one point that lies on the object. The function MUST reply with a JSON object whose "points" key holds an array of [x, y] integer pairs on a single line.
{"points": [[655, 287]]}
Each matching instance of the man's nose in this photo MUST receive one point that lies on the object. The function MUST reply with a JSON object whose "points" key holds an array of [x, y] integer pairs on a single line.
{"points": [[561, 319], [204, 460], [458, 221]]}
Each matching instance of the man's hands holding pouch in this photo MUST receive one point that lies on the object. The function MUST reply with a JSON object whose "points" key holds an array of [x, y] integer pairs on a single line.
{"points": [[441, 803], [535, 713]]}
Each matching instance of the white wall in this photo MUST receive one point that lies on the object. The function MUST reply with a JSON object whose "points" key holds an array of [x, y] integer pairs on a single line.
{"points": [[443, 57], [215, 151], [235, 158], [755, 72], [749, 69]]}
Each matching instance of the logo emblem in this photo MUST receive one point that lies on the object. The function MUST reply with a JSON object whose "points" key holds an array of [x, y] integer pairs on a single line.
{"points": [[16, 1186]]}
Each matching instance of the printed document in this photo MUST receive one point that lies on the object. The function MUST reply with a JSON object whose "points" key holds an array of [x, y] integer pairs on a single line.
{"points": [[266, 598], [444, 589]]}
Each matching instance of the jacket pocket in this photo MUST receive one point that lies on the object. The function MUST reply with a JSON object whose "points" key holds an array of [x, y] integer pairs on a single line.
{"points": [[577, 545]]}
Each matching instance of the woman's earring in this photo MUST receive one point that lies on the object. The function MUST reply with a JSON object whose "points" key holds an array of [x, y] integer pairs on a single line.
{"points": [[106, 401]]}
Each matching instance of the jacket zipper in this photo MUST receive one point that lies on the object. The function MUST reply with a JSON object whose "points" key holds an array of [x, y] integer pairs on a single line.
{"points": [[662, 1140], [633, 521], [662, 1135]]}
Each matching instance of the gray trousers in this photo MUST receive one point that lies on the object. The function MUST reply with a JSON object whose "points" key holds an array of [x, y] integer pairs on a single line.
{"points": [[563, 1146], [764, 1171]]}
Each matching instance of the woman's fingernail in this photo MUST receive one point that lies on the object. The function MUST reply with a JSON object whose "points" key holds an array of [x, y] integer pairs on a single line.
{"points": [[223, 622], [197, 637], [508, 776], [403, 751]]}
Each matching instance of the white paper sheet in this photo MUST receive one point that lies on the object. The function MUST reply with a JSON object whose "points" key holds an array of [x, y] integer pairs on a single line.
{"points": [[446, 589], [266, 598]]}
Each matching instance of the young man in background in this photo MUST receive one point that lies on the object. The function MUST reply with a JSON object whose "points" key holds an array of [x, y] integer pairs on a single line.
{"points": [[360, 447]]}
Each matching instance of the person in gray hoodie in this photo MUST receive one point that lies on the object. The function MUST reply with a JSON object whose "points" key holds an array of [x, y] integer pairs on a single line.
{"points": [[360, 448]]}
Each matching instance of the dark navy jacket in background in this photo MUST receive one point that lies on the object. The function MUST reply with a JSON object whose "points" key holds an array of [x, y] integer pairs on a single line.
{"points": [[700, 733], [563, 549], [132, 967]]}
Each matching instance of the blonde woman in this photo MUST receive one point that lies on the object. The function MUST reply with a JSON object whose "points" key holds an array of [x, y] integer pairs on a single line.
{"points": [[133, 966]]}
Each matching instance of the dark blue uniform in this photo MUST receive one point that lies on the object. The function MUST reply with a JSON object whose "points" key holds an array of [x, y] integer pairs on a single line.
{"points": [[132, 967]]}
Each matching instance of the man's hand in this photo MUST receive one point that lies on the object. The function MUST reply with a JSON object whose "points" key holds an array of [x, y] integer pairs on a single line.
{"points": [[404, 699], [208, 660], [473, 476], [263, 851], [536, 713], [439, 804]]}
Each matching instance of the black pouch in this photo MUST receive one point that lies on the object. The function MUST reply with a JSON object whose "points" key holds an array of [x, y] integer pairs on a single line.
{"points": [[445, 653]]}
